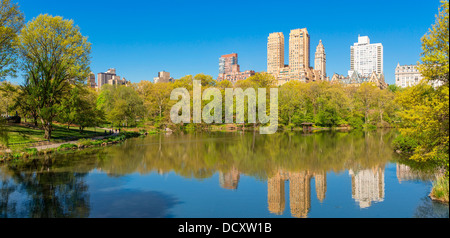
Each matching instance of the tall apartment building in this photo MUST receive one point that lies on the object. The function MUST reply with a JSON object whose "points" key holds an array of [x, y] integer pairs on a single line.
{"points": [[365, 57], [229, 69], [275, 52], [163, 77], [91, 80], [228, 64], [320, 61], [110, 77], [299, 57], [298, 50]]}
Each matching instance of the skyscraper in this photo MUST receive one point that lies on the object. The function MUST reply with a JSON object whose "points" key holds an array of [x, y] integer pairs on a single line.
{"points": [[366, 58], [110, 77], [229, 69], [91, 80], [320, 60], [299, 58], [228, 64], [298, 50], [275, 52]]}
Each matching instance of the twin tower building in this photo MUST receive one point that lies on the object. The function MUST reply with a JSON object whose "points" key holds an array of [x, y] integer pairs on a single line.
{"points": [[299, 67]]}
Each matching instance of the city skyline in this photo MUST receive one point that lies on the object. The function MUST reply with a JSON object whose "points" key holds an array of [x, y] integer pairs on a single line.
{"points": [[141, 43]]}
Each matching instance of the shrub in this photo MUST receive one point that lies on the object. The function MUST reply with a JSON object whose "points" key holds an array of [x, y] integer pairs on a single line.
{"points": [[405, 144], [85, 142], [31, 151], [67, 146], [440, 189]]}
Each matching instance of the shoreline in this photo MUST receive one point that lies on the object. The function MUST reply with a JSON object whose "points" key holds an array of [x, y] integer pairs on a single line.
{"points": [[98, 141]]}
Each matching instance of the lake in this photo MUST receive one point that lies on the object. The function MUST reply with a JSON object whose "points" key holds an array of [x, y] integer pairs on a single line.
{"points": [[327, 174]]}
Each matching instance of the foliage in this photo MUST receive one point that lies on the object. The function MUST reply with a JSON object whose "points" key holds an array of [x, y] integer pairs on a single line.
{"points": [[425, 107], [4, 138], [435, 48], [121, 104], [67, 146], [404, 144], [440, 189], [54, 55], [11, 22], [79, 107]]}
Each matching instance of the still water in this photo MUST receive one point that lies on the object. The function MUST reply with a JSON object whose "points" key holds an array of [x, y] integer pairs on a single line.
{"points": [[223, 174]]}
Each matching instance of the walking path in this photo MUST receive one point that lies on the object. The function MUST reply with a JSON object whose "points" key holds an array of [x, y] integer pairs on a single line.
{"points": [[56, 145]]}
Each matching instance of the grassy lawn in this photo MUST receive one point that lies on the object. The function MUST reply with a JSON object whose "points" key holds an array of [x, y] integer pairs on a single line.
{"points": [[20, 135]]}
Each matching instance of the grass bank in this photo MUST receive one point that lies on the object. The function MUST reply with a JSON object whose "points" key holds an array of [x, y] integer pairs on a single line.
{"points": [[25, 152]]}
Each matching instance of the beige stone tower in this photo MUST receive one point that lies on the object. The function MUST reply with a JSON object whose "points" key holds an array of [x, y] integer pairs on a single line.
{"points": [[275, 52], [320, 61], [298, 51]]}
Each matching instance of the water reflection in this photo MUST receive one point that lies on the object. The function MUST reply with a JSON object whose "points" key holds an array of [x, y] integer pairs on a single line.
{"points": [[62, 185]]}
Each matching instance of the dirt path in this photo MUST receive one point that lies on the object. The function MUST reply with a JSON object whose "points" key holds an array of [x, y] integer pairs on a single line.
{"points": [[56, 145]]}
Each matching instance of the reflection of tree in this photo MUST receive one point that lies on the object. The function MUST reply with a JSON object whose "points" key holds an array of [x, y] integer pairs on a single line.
{"points": [[430, 209], [7, 206], [200, 155], [50, 193]]}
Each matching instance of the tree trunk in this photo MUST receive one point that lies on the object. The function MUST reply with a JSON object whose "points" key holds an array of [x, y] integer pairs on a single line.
{"points": [[47, 131]]}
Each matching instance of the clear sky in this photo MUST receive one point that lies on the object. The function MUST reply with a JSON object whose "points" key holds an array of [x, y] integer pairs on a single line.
{"points": [[140, 38]]}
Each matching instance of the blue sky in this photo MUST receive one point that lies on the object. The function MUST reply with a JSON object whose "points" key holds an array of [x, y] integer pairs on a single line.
{"points": [[140, 38]]}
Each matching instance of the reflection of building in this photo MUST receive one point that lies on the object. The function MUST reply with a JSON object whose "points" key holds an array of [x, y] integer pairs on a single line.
{"points": [[321, 185], [367, 186], [163, 77], [229, 69], [299, 58], [405, 173], [110, 77], [299, 192], [275, 194], [230, 179]]}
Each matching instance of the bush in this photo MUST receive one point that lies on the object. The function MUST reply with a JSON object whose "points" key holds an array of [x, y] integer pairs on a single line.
{"points": [[85, 142], [67, 146], [405, 144], [440, 189], [31, 151]]}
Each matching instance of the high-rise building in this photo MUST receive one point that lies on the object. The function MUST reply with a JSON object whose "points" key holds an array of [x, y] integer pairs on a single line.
{"points": [[365, 57], [110, 77], [163, 77], [91, 80], [298, 51], [299, 58], [228, 64], [275, 53], [229, 69], [320, 60]]}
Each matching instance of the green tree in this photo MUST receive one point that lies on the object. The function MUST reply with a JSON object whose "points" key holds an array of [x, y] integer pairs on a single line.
{"points": [[55, 55], [11, 22], [80, 107], [366, 96], [425, 109], [435, 47], [121, 104]]}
